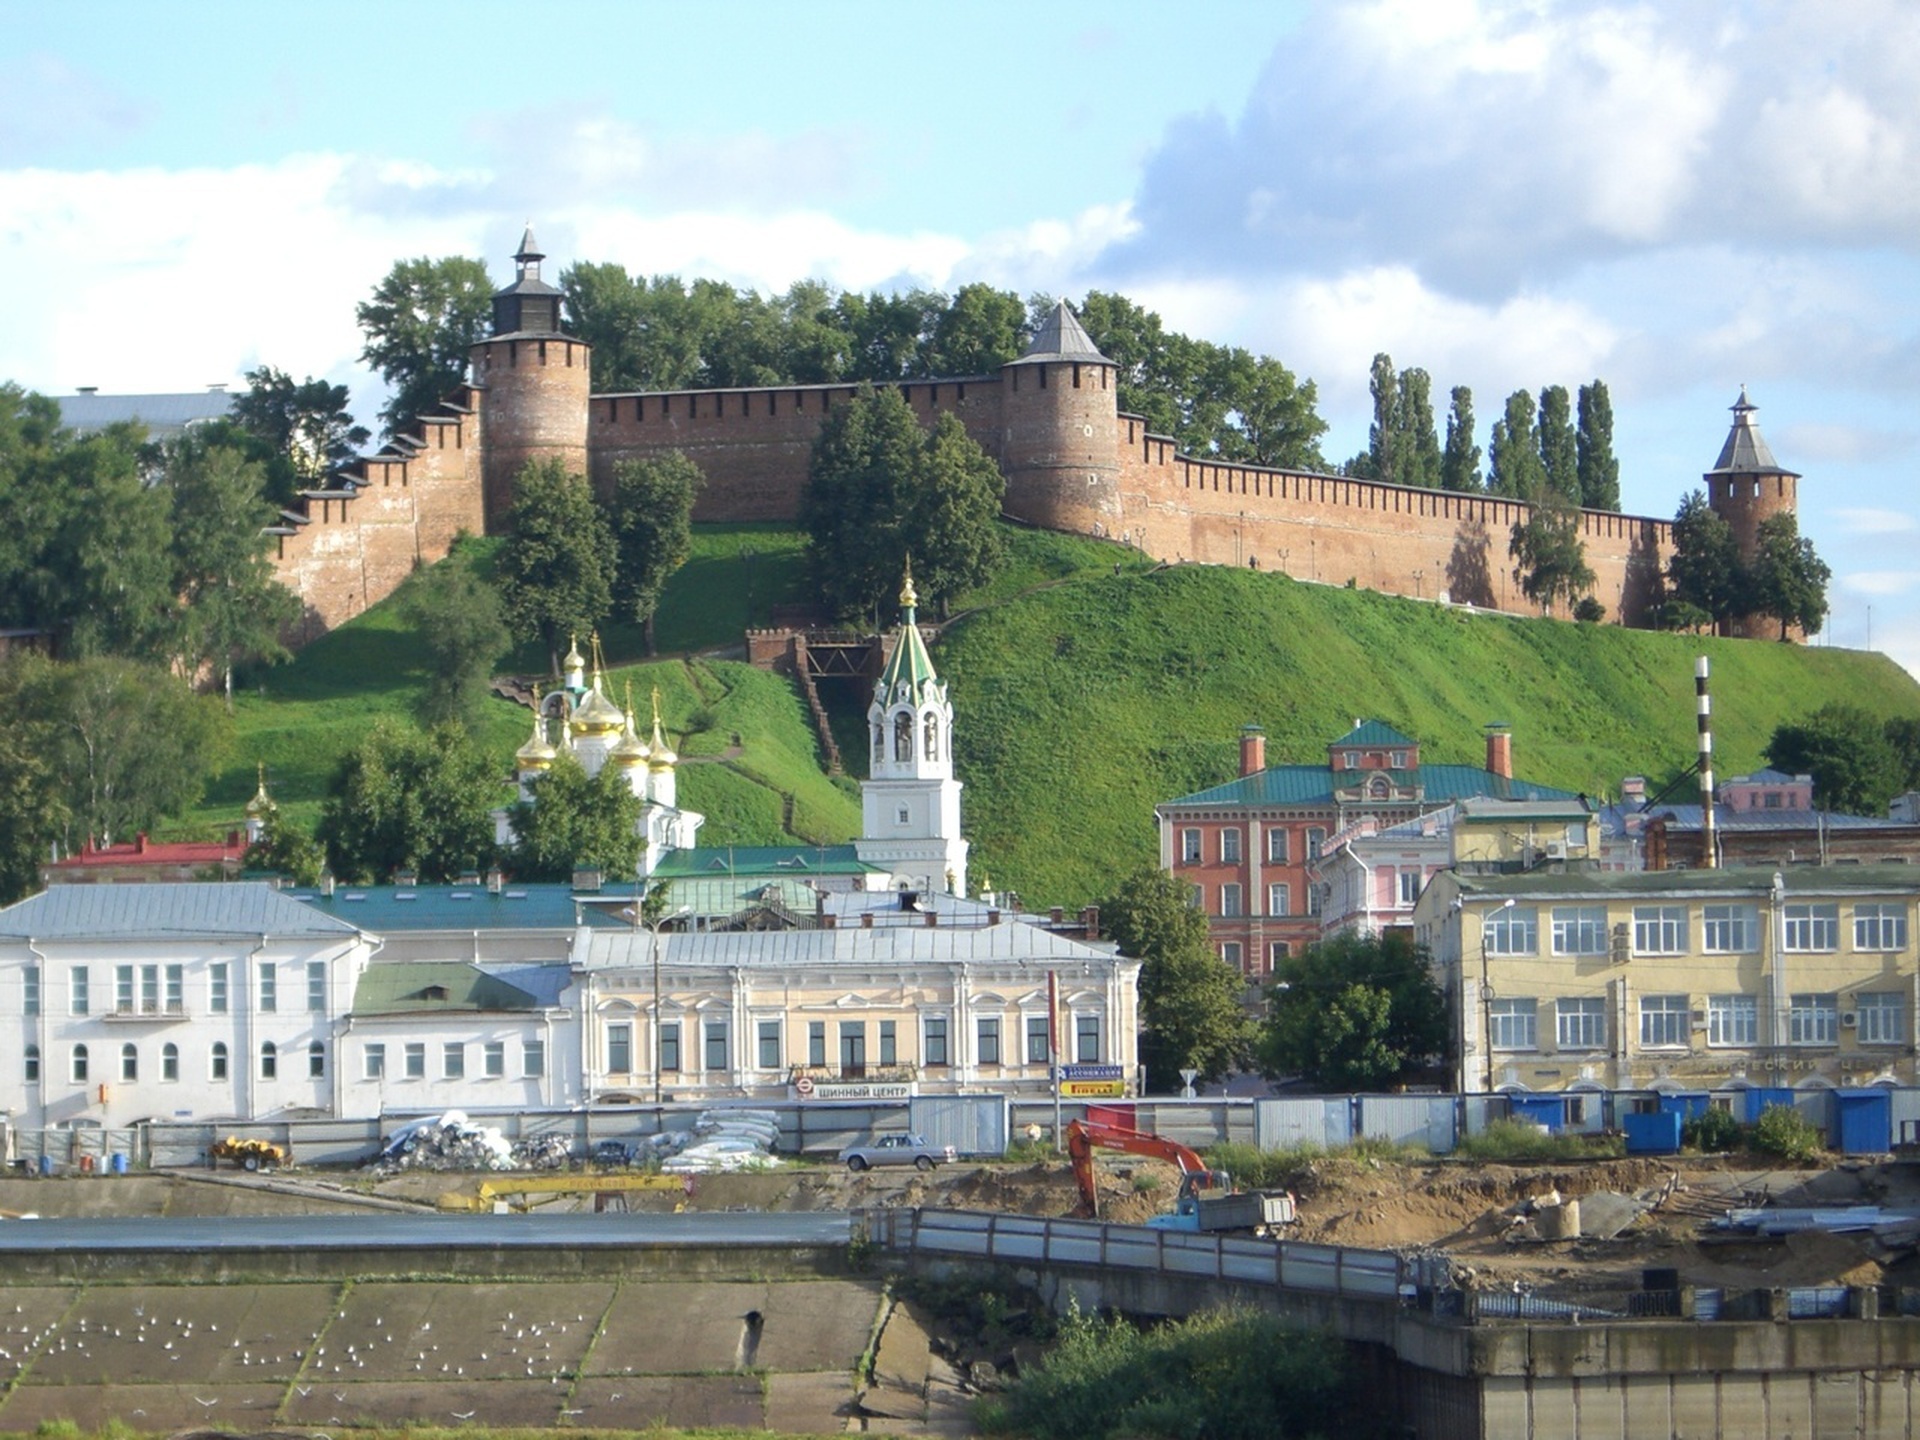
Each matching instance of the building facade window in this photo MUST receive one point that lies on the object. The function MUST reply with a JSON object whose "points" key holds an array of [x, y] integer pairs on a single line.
{"points": [[317, 1060], [933, 1040], [30, 990], [217, 988], [1881, 1019], [1279, 900], [373, 1062], [1659, 929], [267, 991], [1580, 1024], [169, 1062], [767, 1037], [816, 1042], [79, 1064], [1879, 927], [1278, 950], [78, 998], [889, 1042], [269, 1060], [1733, 1020], [317, 987], [1037, 1047], [1579, 930], [1409, 887], [853, 1047], [1086, 1039], [715, 1033], [987, 1036], [620, 1049], [1511, 930], [453, 1060], [32, 1065], [1663, 1022], [1230, 846], [1730, 929], [123, 989], [533, 1058], [414, 1059], [176, 998], [670, 1047], [1190, 847], [1513, 1024], [217, 1061], [1230, 907], [1230, 954], [1276, 845], [129, 1062], [1812, 928], [1813, 1019], [1316, 838]]}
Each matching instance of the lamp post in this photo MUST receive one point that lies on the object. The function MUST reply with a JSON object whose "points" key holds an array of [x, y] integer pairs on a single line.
{"points": [[653, 956]]}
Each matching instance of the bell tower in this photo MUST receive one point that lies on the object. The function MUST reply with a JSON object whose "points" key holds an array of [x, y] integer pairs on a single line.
{"points": [[910, 804], [534, 382]]}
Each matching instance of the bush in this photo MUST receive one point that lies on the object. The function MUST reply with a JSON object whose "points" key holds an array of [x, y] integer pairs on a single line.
{"points": [[1505, 1141], [1589, 610], [1785, 1133], [1713, 1131]]}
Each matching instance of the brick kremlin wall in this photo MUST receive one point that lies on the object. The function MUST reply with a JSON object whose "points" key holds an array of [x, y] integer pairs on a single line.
{"points": [[348, 548]]}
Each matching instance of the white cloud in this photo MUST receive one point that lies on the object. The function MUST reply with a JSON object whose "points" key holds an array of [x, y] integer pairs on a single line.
{"points": [[1875, 522], [1880, 582]]}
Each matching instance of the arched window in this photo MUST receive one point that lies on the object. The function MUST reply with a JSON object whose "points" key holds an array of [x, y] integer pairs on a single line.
{"points": [[316, 1061], [33, 1063], [879, 741], [129, 1062], [933, 738], [269, 1060], [903, 736], [217, 1061], [79, 1064], [169, 1062]]}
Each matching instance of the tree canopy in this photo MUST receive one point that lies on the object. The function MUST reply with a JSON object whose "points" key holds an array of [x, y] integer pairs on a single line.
{"points": [[573, 820], [558, 566], [461, 632], [303, 430], [653, 530], [1550, 560], [1598, 469], [1460, 460], [1514, 468], [881, 490], [407, 799], [1857, 763], [1190, 1011], [1704, 575], [1354, 1012], [1785, 578], [420, 326]]}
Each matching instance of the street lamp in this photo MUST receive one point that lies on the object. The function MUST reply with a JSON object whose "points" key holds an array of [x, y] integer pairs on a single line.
{"points": [[653, 956]]}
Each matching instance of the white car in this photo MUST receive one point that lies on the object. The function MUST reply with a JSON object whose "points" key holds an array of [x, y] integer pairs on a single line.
{"points": [[897, 1150]]}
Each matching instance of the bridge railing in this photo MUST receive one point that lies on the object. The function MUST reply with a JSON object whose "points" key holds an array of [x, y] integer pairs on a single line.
{"points": [[1016, 1239]]}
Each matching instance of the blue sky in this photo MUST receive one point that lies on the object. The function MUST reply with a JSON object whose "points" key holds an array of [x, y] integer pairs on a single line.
{"points": [[1678, 198]]}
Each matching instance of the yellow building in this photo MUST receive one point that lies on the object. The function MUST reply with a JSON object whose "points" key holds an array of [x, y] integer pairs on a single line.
{"points": [[1697, 978]]}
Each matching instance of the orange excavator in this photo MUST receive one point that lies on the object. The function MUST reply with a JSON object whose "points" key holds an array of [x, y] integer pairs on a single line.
{"points": [[1207, 1199]]}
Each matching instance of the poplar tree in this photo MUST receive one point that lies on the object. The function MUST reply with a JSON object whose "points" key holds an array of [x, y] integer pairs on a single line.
{"points": [[653, 526], [1559, 455], [1418, 446], [1599, 470], [1385, 443], [1460, 462], [1513, 454]]}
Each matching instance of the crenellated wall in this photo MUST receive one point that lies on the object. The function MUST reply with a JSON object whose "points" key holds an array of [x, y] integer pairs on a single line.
{"points": [[345, 549]]}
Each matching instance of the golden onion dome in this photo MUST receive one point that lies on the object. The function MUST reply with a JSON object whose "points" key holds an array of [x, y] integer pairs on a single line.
{"points": [[575, 660], [630, 752], [662, 756], [261, 805], [538, 753], [596, 714]]}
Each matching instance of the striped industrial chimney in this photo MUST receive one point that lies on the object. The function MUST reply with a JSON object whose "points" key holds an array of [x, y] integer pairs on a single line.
{"points": [[1703, 699]]}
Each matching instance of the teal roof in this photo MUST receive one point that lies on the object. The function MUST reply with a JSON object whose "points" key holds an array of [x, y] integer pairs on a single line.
{"points": [[1374, 732], [172, 911], [411, 987], [708, 862], [386, 909], [1315, 785]]}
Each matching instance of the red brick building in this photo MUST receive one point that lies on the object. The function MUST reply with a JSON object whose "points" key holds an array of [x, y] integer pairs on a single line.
{"points": [[1246, 846]]}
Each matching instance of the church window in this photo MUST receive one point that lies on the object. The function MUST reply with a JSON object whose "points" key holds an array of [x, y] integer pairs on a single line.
{"points": [[933, 738], [902, 816], [879, 742], [903, 736]]}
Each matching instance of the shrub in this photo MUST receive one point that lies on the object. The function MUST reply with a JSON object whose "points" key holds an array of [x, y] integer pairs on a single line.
{"points": [[1511, 1140], [1589, 610], [1784, 1132], [1713, 1131]]}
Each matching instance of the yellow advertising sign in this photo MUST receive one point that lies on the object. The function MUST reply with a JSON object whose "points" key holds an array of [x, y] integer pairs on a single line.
{"points": [[1092, 1089]]}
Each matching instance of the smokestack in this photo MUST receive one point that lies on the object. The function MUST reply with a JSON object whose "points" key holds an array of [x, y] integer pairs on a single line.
{"points": [[1703, 700], [1500, 750]]}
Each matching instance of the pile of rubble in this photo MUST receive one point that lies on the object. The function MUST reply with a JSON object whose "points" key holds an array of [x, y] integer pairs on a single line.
{"points": [[453, 1142], [722, 1141]]}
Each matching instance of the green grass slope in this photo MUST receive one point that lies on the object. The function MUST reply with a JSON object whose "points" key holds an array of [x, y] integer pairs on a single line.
{"points": [[1080, 706]]}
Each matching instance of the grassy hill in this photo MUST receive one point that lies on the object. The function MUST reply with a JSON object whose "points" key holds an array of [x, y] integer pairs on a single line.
{"points": [[1085, 693]]}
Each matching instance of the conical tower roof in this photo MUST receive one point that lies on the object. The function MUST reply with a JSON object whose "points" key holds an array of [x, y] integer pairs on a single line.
{"points": [[663, 757], [261, 805], [1746, 452], [538, 753], [910, 668], [1062, 337]]}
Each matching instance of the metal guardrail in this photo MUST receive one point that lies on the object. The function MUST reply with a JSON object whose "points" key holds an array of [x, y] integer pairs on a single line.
{"points": [[1013, 1239]]}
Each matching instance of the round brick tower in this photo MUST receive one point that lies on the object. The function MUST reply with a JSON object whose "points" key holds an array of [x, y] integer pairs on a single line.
{"points": [[1747, 486], [1060, 431], [534, 382]]}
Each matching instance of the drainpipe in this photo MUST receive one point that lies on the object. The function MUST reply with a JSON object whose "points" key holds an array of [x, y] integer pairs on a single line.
{"points": [[244, 1060], [40, 1032], [1777, 934]]}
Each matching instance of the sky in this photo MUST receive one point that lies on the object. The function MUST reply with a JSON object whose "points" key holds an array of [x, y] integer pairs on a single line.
{"points": [[1677, 198]]}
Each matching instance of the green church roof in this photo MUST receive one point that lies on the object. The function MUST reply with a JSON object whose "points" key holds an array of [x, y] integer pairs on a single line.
{"points": [[910, 668], [1314, 785]]}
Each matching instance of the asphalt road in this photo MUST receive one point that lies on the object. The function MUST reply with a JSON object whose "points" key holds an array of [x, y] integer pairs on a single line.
{"points": [[712, 1230]]}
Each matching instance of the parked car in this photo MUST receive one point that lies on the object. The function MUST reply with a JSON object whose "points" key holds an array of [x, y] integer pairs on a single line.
{"points": [[897, 1150]]}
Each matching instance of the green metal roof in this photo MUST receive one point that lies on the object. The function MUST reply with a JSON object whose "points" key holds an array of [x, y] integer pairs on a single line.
{"points": [[1374, 732], [408, 987], [709, 862], [909, 669], [1316, 784], [389, 908]]}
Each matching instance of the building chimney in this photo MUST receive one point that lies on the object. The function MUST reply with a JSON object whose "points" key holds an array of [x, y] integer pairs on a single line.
{"points": [[993, 917], [1633, 789], [1253, 749], [1500, 751], [866, 919], [1090, 921]]}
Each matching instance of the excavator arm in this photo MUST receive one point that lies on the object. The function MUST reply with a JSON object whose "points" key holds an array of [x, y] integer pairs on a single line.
{"points": [[1084, 1137]]}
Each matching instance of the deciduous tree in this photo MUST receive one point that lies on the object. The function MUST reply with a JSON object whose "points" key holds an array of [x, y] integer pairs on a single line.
{"points": [[1550, 560], [558, 565], [1460, 461], [572, 821], [1599, 470], [1704, 573], [305, 429], [1513, 453], [1786, 579], [1355, 1012], [406, 799], [653, 530], [460, 632], [1559, 448], [1190, 1010], [1856, 767], [420, 325]]}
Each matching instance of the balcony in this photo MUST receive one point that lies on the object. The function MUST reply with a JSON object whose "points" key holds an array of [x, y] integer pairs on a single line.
{"points": [[146, 1012], [893, 1074]]}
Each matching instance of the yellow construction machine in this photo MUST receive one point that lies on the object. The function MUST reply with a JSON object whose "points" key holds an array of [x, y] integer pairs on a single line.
{"points": [[501, 1193]]}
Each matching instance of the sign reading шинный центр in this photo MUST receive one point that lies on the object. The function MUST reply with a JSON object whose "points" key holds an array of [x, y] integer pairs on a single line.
{"points": [[807, 1089]]}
